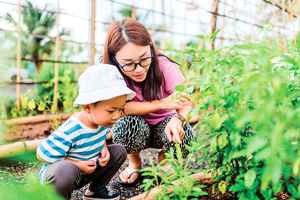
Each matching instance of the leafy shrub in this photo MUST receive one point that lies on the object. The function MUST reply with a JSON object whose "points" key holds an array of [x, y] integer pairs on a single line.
{"points": [[247, 97], [40, 99]]}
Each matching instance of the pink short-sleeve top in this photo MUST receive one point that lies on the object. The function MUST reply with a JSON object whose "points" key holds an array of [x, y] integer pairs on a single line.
{"points": [[172, 77]]}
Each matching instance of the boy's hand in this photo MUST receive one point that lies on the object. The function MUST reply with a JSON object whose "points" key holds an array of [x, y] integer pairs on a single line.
{"points": [[87, 166], [104, 157]]}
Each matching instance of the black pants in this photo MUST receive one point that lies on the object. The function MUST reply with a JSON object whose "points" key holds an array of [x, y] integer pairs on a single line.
{"points": [[135, 134], [67, 177]]}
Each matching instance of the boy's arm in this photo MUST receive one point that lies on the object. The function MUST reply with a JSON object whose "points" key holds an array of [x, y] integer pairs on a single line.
{"points": [[39, 158], [104, 156], [53, 148]]}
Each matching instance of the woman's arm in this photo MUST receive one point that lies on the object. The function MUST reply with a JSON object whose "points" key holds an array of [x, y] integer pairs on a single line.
{"points": [[142, 108]]}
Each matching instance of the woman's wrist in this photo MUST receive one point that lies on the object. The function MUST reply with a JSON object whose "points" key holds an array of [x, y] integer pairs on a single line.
{"points": [[181, 118]]}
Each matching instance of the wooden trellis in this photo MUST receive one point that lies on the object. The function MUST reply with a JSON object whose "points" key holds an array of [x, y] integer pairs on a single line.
{"points": [[18, 58], [56, 65], [216, 13], [92, 38]]}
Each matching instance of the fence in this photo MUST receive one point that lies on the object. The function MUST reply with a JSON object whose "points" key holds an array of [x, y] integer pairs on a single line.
{"points": [[180, 20]]}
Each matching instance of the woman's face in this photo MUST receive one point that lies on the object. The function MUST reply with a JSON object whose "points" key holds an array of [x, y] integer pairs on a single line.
{"points": [[134, 61]]}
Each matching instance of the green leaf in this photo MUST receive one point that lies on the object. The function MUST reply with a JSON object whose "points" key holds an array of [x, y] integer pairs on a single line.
{"points": [[198, 191], [179, 88], [42, 106], [222, 186], [31, 104], [235, 139], [215, 120], [256, 143], [222, 140], [263, 154], [249, 178], [296, 167]]}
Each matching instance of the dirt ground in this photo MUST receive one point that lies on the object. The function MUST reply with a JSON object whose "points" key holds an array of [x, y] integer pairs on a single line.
{"points": [[15, 170], [126, 192]]}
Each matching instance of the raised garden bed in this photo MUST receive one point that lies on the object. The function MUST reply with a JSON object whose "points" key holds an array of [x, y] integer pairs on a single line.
{"points": [[28, 128]]}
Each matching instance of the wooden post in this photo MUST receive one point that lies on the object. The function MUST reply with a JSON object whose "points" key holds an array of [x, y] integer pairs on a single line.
{"points": [[213, 21], [133, 10], [164, 24], [13, 149], [92, 48], [279, 6], [184, 24], [223, 27], [56, 64], [112, 10], [18, 58]]}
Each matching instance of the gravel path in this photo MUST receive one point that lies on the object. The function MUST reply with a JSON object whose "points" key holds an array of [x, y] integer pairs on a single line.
{"points": [[126, 192], [15, 170]]}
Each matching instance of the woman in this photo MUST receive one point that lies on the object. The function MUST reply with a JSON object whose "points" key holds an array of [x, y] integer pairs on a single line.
{"points": [[152, 120]]}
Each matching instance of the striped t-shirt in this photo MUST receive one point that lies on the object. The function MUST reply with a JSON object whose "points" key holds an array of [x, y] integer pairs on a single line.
{"points": [[74, 140]]}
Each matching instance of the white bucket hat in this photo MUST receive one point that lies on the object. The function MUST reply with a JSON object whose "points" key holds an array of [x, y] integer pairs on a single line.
{"points": [[101, 82]]}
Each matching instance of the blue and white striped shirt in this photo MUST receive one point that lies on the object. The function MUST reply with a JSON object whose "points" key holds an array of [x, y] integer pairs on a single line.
{"points": [[74, 140]]}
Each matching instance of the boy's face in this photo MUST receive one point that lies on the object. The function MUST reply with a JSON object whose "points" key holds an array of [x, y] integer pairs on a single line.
{"points": [[107, 112]]}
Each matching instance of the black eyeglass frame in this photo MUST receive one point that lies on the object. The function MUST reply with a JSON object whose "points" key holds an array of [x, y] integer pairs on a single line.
{"points": [[135, 64]]}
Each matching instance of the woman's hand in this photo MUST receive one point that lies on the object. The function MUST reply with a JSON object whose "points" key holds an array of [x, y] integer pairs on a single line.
{"points": [[168, 103], [174, 130], [185, 105], [104, 157], [181, 103]]}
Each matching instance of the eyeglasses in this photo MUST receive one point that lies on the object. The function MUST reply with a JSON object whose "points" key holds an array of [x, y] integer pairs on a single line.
{"points": [[130, 67]]}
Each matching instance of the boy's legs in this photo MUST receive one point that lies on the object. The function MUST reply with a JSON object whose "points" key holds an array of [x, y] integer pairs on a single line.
{"points": [[65, 177], [102, 175]]}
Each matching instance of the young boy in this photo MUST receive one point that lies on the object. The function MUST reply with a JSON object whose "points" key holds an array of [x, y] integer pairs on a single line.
{"points": [[76, 153]]}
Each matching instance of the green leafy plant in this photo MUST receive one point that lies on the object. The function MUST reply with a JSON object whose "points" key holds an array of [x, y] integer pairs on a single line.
{"points": [[21, 181], [40, 99], [247, 97], [32, 189], [67, 86], [175, 176]]}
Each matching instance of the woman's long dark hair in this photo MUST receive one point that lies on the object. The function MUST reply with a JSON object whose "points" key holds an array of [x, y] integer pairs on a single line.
{"points": [[130, 30]]}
